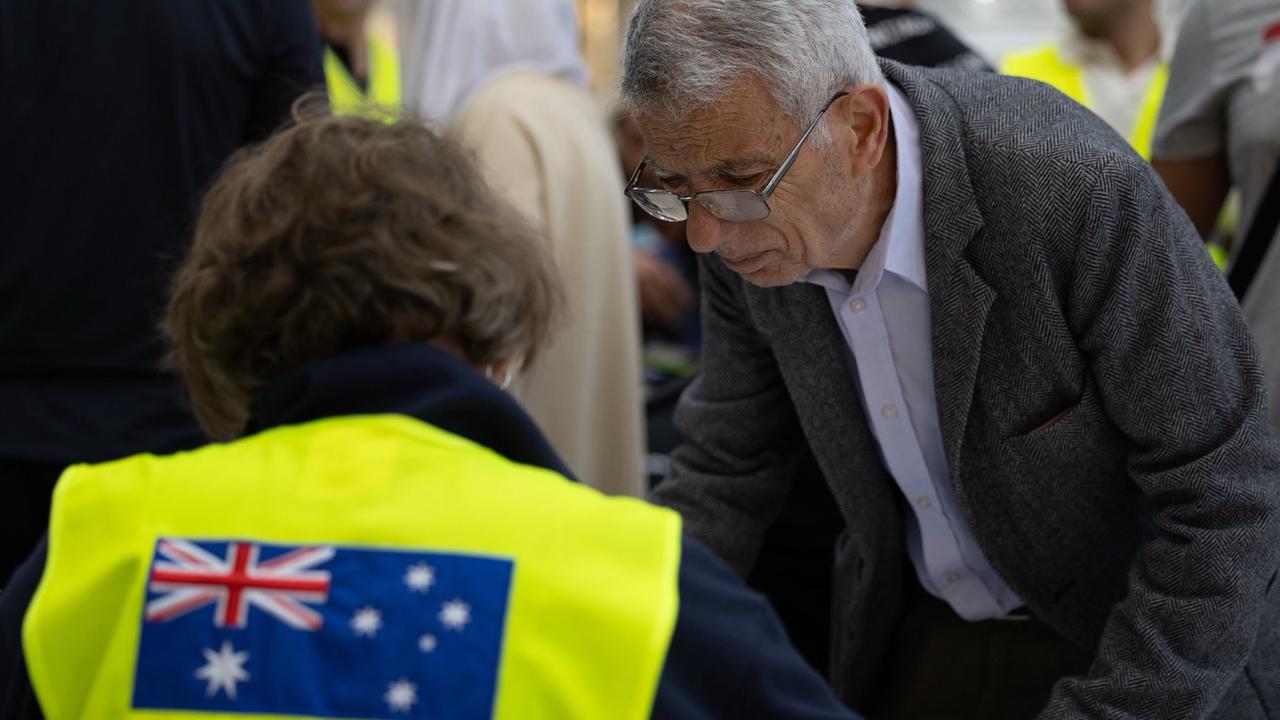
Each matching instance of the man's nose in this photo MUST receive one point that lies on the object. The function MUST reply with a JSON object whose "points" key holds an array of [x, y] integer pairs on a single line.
{"points": [[704, 231]]}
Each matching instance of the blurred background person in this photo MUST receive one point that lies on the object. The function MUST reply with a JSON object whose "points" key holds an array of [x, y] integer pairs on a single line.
{"points": [[506, 77], [1110, 62], [1220, 128], [361, 64], [899, 31], [116, 116], [351, 302]]}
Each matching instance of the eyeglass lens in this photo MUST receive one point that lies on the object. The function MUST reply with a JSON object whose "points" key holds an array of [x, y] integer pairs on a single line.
{"points": [[734, 205], [661, 204], [731, 205]]}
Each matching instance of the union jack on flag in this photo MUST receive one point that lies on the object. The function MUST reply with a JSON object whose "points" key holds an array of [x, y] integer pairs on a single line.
{"points": [[190, 578], [246, 627]]}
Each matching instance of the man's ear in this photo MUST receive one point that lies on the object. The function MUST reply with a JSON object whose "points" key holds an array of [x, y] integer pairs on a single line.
{"points": [[863, 116]]}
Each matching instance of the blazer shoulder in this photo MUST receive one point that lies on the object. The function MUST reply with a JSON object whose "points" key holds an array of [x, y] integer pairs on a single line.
{"points": [[1004, 119]]}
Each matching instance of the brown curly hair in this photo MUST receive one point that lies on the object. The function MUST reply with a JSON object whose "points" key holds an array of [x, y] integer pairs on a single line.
{"points": [[340, 233]]}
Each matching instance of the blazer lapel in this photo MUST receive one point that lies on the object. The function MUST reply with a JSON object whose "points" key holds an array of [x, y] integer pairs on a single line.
{"points": [[959, 300], [814, 361], [811, 354]]}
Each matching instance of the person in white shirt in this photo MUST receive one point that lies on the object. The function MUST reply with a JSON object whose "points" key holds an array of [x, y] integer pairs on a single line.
{"points": [[507, 79], [1220, 129], [1110, 61]]}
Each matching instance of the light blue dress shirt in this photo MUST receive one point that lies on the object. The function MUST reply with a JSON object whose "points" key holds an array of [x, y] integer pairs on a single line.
{"points": [[884, 316]]}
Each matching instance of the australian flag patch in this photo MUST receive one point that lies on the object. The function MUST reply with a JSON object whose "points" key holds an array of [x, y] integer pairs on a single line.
{"points": [[321, 630]]}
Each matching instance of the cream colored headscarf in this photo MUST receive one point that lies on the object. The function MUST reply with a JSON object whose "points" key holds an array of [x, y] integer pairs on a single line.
{"points": [[450, 48]]}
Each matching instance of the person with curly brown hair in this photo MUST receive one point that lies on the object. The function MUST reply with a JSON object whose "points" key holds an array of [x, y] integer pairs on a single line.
{"points": [[384, 530]]}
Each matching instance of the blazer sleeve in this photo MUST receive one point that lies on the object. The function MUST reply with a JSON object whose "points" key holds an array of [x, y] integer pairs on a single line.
{"points": [[1177, 371], [741, 438]]}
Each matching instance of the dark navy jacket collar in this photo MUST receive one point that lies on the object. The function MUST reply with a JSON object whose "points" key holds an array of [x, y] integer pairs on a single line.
{"points": [[417, 380]]}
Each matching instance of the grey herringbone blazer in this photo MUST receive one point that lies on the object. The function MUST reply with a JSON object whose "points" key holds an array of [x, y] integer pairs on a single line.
{"points": [[1063, 281]]}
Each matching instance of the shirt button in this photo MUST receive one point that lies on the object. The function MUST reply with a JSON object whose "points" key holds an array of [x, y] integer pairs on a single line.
{"points": [[858, 305], [889, 410], [953, 578], [924, 501]]}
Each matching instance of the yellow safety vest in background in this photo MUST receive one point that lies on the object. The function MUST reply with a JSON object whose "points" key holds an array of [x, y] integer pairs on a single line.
{"points": [[1046, 64], [382, 99], [592, 598]]}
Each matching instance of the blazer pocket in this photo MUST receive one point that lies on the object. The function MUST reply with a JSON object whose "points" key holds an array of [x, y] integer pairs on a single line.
{"points": [[1052, 421], [1056, 423], [1047, 423]]}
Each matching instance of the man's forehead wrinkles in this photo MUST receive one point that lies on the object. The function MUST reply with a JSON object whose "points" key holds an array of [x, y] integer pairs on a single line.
{"points": [[738, 137], [661, 172], [736, 166], [707, 150], [739, 165]]}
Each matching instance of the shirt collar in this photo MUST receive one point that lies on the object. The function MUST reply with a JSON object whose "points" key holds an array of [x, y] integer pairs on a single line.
{"points": [[900, 246]]}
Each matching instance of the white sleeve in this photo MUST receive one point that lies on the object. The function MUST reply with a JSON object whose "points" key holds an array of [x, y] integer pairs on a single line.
{"points": [[1193, 115]]}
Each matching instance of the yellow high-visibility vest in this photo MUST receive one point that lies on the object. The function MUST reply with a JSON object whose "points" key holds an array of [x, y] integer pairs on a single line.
{"points": [[591, 604], [1047, 65], [382, 98]]}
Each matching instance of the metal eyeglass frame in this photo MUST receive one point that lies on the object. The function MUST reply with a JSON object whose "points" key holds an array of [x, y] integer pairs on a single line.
{"points": [[706, 198]]}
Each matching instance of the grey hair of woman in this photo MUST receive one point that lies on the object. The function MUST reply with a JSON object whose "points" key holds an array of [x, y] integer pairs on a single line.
{"points": [[682, 55]]}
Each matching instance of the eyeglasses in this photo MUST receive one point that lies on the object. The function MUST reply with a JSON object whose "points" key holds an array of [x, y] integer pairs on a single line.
{"points": [[733, 205]]}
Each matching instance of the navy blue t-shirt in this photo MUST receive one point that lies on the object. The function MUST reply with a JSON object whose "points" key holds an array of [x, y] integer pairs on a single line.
{"points": [[116, 116]]}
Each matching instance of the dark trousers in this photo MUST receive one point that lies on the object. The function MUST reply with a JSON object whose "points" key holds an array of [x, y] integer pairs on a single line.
{"points": [[941, 667], [26, 488]]}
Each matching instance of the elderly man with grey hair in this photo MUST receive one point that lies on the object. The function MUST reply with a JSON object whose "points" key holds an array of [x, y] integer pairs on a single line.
{"points": [[1030, 392]]}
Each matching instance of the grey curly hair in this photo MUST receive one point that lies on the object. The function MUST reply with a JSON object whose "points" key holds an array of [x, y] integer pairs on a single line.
{"points": [[681, 55]]}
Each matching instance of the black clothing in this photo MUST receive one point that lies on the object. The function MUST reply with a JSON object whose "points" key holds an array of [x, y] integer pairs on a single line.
{"points": [[795, 565], [729, 656], [117, 115], [28, 489], [17, 698], [1258, 239], [916, 38]]}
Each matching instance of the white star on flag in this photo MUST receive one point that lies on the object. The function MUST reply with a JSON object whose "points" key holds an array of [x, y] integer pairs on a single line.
{"points": [[401, 695], [455, 614], [427, 643], [366, 622], [223, 669], [420, 577]]}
